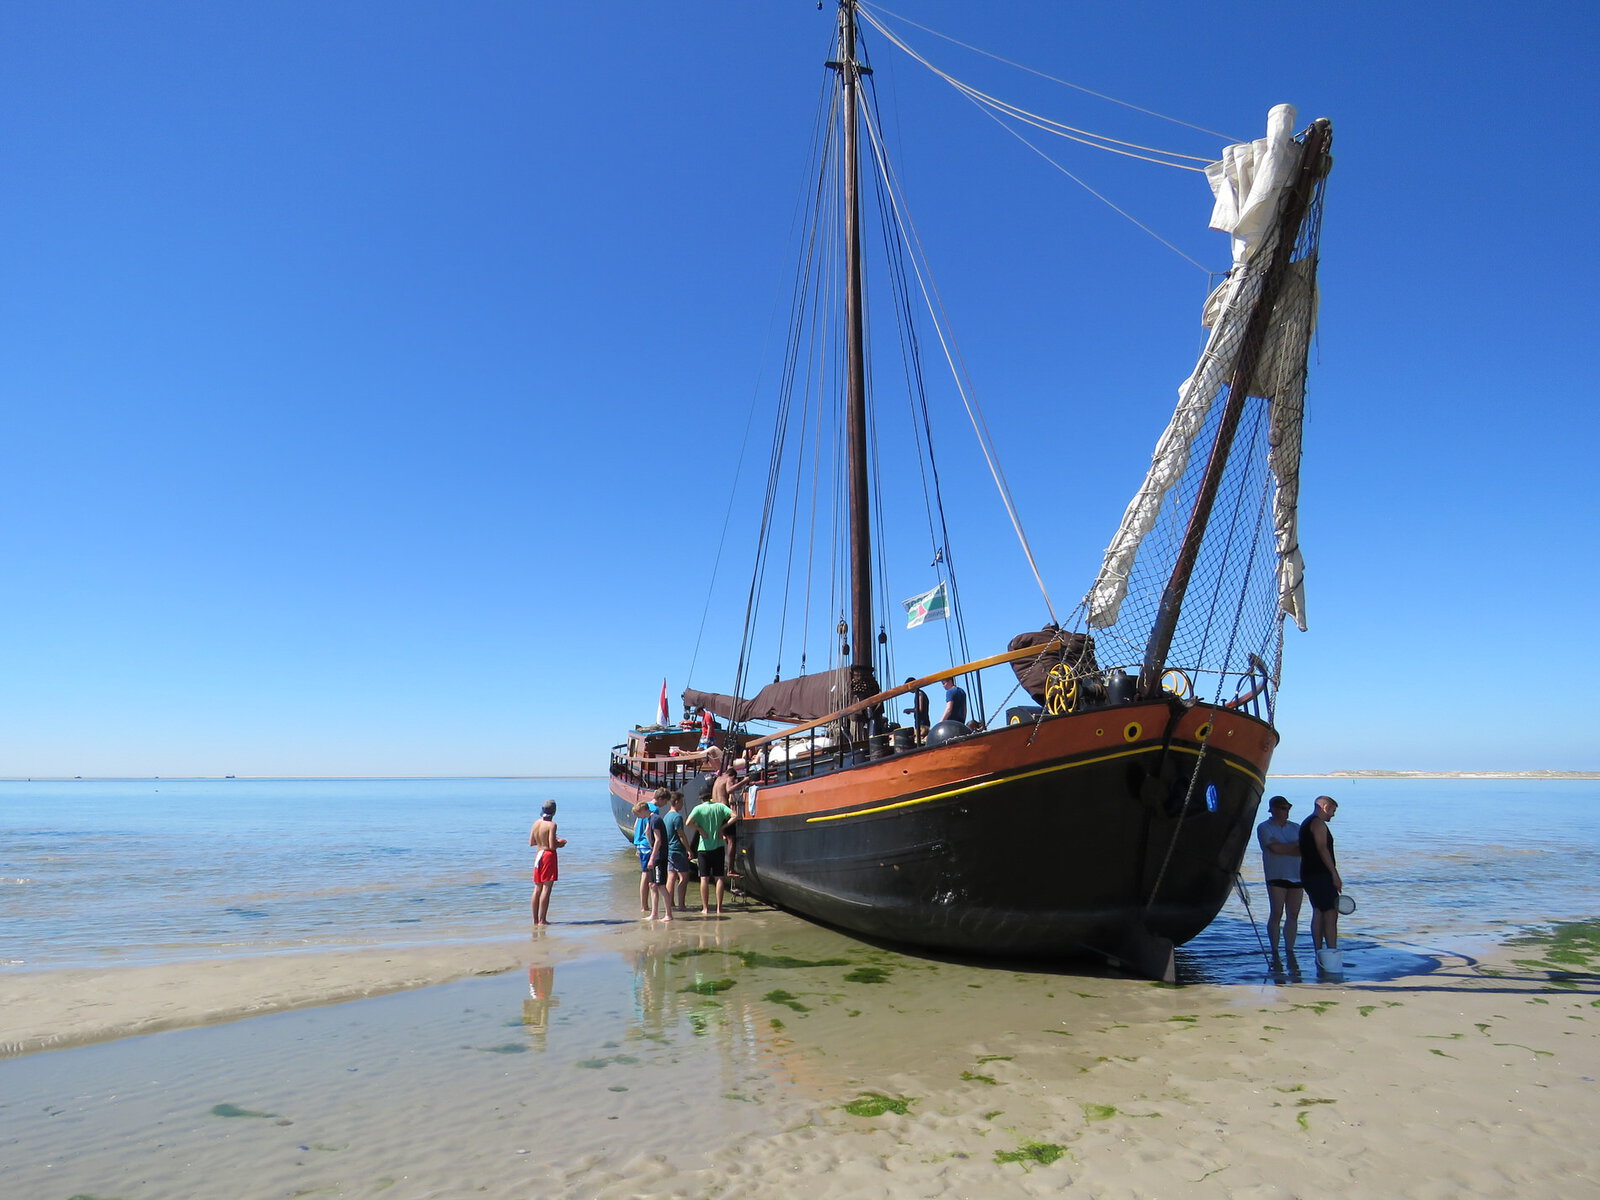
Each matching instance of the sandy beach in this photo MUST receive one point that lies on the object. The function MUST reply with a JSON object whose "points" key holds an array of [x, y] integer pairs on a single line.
{"points": [[742, 1056]]}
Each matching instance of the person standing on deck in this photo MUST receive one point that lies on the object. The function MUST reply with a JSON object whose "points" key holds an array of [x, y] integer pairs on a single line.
{"points": [[1319, 873], [542, 837], [919, 712], [1279, 839], [955, 702]]}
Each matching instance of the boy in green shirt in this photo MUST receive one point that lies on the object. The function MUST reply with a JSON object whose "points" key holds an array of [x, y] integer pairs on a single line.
{"points": [[705, 827]]}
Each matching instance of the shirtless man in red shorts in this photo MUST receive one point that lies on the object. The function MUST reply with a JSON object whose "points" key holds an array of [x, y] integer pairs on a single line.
{"points": [[545, 871]]}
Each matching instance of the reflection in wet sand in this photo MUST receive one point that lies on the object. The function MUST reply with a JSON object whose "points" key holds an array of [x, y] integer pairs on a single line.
{"points": [[541, 999]]}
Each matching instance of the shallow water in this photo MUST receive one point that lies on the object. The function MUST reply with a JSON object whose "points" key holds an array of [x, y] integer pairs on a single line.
{"points": [[1435, 866], [162, 870], [142, 871]]}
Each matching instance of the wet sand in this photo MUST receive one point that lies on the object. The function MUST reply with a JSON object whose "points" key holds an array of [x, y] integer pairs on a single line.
{"points": [[761, 1056]]}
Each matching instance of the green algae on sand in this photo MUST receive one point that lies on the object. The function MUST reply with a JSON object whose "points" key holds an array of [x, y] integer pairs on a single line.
{"points": [[875, 1104], [596, 1064], [233, 1110], [1031, 1153], [1570, 951], [708, 987], [754, 958], [868, 975]]}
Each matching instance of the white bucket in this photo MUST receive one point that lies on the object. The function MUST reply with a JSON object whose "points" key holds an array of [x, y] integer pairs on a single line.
{"points": [[1330, 960]]}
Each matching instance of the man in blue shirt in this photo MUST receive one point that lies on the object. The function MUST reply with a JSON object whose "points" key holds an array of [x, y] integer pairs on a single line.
{"points": [[955, 703]]}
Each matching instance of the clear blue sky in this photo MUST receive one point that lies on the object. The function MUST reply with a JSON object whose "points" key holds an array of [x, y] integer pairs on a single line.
{"points": [[373, 374]]}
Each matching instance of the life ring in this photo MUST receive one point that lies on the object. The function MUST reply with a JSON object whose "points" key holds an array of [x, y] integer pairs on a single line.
{"points": [[1060, 690]]}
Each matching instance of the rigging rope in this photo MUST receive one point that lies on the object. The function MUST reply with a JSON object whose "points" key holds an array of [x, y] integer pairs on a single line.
{"points": [[1086, 137], [1149, 112], [907, 231], [1104, 199], [990, 107], [895, 253]]}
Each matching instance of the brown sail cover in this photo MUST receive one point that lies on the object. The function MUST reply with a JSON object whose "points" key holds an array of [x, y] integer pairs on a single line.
{"points": [[1076, 649], [793, 700]]}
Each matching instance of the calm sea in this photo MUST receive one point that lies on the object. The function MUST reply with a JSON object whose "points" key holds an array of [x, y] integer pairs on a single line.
{"points": [[143, 871]]}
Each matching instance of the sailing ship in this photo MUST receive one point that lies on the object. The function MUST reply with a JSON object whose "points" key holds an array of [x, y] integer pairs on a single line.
{"points": [[682, 756], [1107, 814]]}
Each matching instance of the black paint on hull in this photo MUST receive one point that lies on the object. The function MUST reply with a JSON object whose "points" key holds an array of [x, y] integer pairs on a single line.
{"points": [[1057, 863]]}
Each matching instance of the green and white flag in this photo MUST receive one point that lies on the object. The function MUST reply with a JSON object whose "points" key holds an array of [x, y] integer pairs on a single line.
{"points": [[930, 606]]}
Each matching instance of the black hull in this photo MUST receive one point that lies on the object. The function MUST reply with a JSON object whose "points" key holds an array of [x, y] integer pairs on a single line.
{"points": [[1058, 861]]}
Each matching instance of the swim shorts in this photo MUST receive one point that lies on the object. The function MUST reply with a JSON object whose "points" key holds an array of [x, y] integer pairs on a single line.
{"points": [[1323, 895], [1291, 884], [546, 870], [658, 874], [712, 863]]}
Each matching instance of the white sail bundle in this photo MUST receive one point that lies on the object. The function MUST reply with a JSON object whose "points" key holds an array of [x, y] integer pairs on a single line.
{"points": [[1249, 184]]}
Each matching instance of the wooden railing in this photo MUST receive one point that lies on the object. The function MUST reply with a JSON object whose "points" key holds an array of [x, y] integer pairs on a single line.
{"points": [[906, 688]]}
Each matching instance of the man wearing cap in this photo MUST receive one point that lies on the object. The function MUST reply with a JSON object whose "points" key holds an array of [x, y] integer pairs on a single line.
{"points": [[1279, 839]]}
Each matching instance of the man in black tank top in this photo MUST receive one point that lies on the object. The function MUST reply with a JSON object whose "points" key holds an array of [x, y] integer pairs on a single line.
{"points": [[1319, 872]]}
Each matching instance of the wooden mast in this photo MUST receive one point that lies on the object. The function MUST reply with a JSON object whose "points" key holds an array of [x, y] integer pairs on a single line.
{"points": [[863, 682], [1313, 166]]}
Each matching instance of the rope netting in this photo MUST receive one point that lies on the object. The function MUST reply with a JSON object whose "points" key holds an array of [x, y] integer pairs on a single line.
{"points": [[1247, 574]]}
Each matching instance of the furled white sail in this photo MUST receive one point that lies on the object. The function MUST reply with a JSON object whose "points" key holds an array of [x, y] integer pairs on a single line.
{"points": [[1249, 183]]}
